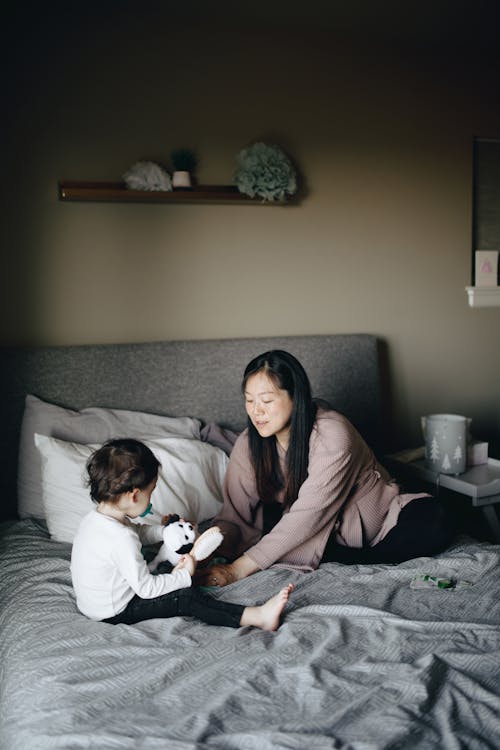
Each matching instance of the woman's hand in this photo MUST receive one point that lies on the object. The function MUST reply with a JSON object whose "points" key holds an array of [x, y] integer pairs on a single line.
{"points": [[215, 575], [222, 575]]}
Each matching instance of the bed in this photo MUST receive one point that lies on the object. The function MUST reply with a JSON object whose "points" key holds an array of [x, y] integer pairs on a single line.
{"points": [[363, 658]]}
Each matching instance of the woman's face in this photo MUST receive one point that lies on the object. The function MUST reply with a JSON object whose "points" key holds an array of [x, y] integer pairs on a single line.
{"points": [[269, 407]]}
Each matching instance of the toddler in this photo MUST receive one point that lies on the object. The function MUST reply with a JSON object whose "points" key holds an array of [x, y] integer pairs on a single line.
{"points": [[110, 576]]}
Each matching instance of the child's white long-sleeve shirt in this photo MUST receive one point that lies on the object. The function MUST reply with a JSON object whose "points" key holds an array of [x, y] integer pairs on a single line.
{"points": [[108, 568]]}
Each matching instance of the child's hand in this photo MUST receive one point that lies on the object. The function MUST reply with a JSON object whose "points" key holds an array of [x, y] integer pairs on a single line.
{"points": [[188, 562]]}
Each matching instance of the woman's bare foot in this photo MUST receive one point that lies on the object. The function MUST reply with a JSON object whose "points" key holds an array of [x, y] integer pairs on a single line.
{"points": [[267, 615]]}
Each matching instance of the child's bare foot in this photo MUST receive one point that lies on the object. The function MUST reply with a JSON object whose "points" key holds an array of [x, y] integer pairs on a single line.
{"points": [[267, 615]]}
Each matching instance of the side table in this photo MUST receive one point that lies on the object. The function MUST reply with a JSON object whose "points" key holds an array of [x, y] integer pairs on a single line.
{"points": [[481, 483]]}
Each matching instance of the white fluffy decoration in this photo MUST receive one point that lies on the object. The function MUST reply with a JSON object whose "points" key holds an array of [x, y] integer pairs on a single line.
{"points": [[146, 175]]}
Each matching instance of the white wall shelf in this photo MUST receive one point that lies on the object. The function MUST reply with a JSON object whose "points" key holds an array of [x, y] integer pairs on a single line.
{"points": [[483, 296]]}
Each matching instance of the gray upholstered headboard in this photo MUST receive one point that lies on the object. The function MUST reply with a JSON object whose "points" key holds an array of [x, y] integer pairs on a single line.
{"points": [[180, 378]]}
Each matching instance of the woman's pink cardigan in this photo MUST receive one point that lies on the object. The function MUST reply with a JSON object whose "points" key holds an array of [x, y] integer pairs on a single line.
{"points": [[346, 490]]}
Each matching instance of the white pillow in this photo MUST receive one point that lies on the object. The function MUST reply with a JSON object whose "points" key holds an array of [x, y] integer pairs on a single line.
{"points": [[189, 481], [92, 425]]}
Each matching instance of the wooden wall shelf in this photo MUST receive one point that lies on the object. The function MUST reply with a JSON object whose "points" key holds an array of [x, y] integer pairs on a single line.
{"points": [[117, 192]]}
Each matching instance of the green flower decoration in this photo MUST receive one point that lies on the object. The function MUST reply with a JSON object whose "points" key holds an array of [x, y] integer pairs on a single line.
{"points": [[265, 171]]}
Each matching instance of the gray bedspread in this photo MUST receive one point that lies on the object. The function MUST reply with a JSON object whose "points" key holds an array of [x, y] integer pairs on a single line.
{"points": [[361, 661]]}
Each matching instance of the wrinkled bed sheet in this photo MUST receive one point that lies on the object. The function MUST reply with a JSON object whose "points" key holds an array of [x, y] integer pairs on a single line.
{"points": [[361, 661]]}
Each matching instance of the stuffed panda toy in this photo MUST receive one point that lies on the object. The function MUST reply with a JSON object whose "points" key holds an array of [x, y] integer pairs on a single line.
{"points": [[180, 538]]}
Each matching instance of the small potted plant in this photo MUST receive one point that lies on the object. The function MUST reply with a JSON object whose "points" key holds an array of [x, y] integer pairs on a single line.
{"points": [[184, 163]]}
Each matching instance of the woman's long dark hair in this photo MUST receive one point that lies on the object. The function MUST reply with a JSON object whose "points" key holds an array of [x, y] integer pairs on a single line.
{"points": [[286, 373]]}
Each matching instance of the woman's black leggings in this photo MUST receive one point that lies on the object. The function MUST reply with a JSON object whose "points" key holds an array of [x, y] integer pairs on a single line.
{"points": [[189, 602], [422, 530]]}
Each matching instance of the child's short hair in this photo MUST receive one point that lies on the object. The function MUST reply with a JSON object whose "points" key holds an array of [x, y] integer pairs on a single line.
{"points": [[120, 466]]}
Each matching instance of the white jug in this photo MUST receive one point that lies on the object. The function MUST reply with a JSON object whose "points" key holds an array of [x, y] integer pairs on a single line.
{"points": [[445, 438]]}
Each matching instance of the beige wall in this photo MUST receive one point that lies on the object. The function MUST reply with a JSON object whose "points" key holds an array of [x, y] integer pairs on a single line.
{"points": [[380, 243]]}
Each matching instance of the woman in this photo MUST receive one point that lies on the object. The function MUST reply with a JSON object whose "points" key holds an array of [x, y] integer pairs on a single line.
{"points": [[302, 487]]}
